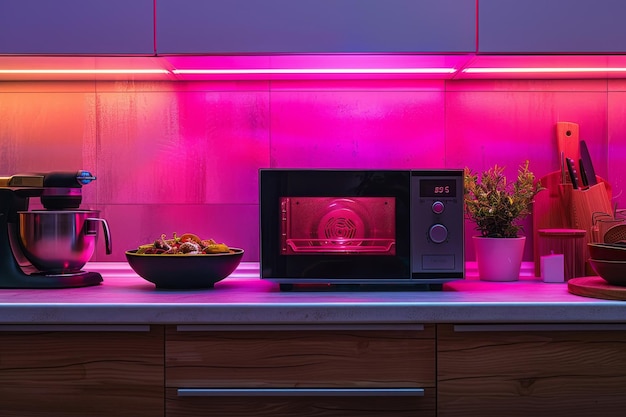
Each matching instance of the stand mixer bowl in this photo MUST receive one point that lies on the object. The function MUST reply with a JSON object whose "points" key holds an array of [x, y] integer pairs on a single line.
{"points": [[60, 241]]}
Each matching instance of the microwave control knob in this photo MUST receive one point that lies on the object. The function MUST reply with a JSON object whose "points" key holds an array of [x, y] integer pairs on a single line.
{"points": [[438, 233], [438, 207]]}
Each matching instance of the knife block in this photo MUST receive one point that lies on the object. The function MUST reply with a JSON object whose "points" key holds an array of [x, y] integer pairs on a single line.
{"points": [[584, 206], [559, 206]]}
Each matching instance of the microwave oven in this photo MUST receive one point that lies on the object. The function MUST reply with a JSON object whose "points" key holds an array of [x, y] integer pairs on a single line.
{"points": [[337, 227]]}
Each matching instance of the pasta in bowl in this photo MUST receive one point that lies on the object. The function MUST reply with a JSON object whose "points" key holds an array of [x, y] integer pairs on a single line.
{"points": [[185, 262]]}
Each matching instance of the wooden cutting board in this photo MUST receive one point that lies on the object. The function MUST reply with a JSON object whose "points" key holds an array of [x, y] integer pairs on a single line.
{"points": [[568, 140], [596, 287]]}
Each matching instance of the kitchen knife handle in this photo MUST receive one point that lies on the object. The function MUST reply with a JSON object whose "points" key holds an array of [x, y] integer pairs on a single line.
{"points": [[583, 174], [572, 173], [590, 172]]}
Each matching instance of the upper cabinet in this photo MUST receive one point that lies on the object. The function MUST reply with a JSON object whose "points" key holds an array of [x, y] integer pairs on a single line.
{"points": [[540, 26], [315, 26], [94, 27]]}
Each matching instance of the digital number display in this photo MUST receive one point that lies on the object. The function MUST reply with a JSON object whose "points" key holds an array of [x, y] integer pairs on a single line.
{"points": [[438, 188]]}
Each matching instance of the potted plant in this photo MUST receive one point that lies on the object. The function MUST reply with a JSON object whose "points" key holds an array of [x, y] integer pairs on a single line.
{"points": [[497, 207]]}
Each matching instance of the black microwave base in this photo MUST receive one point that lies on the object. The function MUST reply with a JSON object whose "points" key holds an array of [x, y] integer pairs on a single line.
{"points": [[355, 286]]}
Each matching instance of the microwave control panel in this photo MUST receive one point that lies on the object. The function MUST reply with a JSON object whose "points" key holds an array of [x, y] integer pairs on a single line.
{"points": [[437, 224]]}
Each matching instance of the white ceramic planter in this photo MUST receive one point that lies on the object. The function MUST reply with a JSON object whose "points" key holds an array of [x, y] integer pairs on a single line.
{"points": [[499, 259]]}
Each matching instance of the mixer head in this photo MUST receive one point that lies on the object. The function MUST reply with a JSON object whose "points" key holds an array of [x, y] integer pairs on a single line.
{"points": [[63, 190], [60, 190]]}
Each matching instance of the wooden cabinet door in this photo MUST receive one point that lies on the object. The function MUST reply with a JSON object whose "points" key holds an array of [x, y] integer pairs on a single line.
{"points": [[555, 26], [77, 27], [326, 371], [64, 371], [315, 26], [531, 370]]}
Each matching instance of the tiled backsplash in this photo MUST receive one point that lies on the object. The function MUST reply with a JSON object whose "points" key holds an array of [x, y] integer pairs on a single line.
{"points": [[183, 156]]}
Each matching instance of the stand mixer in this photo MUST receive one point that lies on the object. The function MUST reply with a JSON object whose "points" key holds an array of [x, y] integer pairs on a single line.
{"points": [[47, 248]]}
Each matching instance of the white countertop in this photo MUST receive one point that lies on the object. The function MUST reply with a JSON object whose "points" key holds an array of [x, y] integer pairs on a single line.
{"points": [[243, 298]]}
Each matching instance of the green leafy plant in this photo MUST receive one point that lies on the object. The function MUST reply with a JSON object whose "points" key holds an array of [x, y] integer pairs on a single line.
{"points": [[497, 206]]}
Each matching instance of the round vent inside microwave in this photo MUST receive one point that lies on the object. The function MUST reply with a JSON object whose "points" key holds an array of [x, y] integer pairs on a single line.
{"points": [[342, 226]]}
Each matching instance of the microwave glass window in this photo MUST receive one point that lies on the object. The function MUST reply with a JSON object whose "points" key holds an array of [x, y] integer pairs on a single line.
{"points": [[338, 225]]}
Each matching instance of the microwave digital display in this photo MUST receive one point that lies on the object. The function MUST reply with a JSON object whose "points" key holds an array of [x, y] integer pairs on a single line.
{"points": [[437, 188]]}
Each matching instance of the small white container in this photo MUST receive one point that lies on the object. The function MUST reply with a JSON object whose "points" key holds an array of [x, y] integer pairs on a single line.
{"points": [[553, 268]]}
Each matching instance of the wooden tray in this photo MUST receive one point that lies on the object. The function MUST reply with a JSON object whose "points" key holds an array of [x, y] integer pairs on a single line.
{"points": [[596, 287]]}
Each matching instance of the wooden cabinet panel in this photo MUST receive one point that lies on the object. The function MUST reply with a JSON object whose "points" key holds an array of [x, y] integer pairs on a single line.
{"points": [[516, 371], [77, 27], [330, 358], [315, 26], [281, 372], [539, 26], [78, 373]]}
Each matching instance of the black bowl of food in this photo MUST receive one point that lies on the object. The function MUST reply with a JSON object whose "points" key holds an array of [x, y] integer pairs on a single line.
{"points": [[198, 266]]}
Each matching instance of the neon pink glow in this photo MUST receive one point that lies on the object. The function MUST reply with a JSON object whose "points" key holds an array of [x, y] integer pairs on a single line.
{"points": [[315, 66], [539, 70], [318, 71], [70, 71], [545, 66], [312, 67], [82, 68]]}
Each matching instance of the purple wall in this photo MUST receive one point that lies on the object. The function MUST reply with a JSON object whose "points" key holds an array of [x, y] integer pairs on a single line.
{"points": [[183, 156]]}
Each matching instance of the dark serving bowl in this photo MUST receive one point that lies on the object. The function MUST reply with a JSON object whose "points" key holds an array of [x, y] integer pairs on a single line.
{"points": [[607, 251], [184, 271], [613, 272]]}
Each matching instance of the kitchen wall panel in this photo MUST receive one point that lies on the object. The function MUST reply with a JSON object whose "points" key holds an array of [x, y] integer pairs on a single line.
{"points": [[48, 126], [200, 147], [183, 156], [506, 122], [183, 160], [135, 224], [357, 124]]}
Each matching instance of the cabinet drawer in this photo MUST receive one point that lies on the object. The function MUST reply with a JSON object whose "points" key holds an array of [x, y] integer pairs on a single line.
{"points": [[539, 370], [295, 406], [326, 358], [81, 371]]}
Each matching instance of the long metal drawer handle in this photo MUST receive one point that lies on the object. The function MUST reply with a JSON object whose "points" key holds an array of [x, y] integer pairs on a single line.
{"points": [[75, 327], [303, 327], [300, 392], [538, 327]]}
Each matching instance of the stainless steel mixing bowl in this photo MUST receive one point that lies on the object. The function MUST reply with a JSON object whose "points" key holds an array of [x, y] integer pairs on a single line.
{"points": [[60, 241]]}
